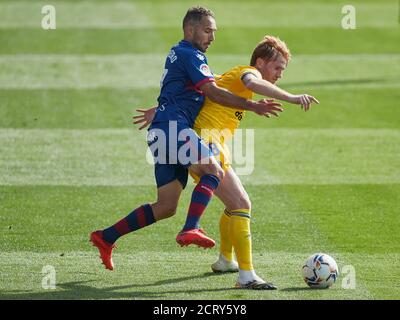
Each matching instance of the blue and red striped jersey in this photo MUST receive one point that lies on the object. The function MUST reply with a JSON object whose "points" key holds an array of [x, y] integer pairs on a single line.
{"points": [[180, 99]]}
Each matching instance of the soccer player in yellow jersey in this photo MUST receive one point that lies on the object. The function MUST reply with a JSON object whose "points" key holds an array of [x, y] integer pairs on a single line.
{"points": [[215, 124]]}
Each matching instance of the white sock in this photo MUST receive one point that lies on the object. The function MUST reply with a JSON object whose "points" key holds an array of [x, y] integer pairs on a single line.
{"points": [[246, 276]]}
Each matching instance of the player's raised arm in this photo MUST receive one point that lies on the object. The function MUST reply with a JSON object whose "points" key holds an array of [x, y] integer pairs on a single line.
{"points": [[267, 65], [224, 97], [266, 88]]}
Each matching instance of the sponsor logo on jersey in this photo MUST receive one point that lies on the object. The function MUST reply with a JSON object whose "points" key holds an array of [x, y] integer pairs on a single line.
{"points": [[200, 56], [239, 115], [172, 56]]}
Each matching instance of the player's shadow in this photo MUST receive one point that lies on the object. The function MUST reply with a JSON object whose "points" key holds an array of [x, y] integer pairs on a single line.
{"points": [[295, 289], [182, 279], [82, 290]]}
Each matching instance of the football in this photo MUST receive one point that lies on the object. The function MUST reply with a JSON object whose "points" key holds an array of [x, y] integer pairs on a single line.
{"points": [[320, 271]]}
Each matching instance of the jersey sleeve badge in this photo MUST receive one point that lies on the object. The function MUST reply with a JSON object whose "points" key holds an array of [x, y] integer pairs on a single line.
{"points": [[205, 70]]}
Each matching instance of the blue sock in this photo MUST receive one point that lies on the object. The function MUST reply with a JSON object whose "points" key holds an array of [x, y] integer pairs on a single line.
{"points": [[201, 196], [137, 219]]}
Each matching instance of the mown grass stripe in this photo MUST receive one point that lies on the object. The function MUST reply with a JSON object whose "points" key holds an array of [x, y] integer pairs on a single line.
{"points": [[127, 14], [297, 156], [113, 108], [143, 70], [160, 40], [322, 216], [80, 276]]}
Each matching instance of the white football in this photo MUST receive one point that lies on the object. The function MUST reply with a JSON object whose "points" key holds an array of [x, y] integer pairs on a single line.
{"points": [[320, 271]]}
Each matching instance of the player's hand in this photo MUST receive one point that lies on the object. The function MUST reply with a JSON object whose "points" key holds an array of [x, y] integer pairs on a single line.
{"points": [[304, 100], [146, 117], [265, 107]]}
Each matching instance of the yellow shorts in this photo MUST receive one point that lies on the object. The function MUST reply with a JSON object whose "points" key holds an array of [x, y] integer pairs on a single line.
{"points": [[221, 154]]}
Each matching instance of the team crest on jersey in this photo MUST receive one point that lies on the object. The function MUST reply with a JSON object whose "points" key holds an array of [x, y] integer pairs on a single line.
{"points": [[200, 56], [205, 69]]}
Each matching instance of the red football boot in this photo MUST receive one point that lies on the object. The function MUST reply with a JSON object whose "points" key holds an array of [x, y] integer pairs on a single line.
{"points": [[194, 236], [104, 247]]}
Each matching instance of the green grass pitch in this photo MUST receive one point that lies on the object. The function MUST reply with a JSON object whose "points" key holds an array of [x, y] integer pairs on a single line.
{"points": [[71, 161]]}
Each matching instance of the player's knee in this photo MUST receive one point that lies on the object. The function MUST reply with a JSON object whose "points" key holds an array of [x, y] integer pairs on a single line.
{"points": [[220, 173], [169, 210], [211, 168], [169, 213], [217, 171], [165, 210]]}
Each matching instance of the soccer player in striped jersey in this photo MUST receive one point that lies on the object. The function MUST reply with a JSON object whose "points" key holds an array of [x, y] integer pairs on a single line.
{"points": [[186, 81], [215, 124]]}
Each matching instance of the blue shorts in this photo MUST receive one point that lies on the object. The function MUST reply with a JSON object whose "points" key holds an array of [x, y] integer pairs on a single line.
{"points": [[175, 148]]}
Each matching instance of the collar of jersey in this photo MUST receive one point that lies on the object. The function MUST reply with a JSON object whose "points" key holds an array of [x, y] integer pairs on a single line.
{"points": [[186, 43]]}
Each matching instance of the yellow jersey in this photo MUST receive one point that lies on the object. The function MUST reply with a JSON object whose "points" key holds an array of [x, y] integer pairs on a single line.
{"points": [[215, 116]]}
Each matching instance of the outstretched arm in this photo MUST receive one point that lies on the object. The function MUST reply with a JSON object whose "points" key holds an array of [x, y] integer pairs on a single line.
{"points": [[266, 88], [226, 98]]}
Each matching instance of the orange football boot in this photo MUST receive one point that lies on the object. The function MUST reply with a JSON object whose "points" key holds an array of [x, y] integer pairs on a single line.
{"points": [[104, 247], [194, 236]]}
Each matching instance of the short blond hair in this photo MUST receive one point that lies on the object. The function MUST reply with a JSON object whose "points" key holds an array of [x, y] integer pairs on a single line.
{"points": [[269, 48]]}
